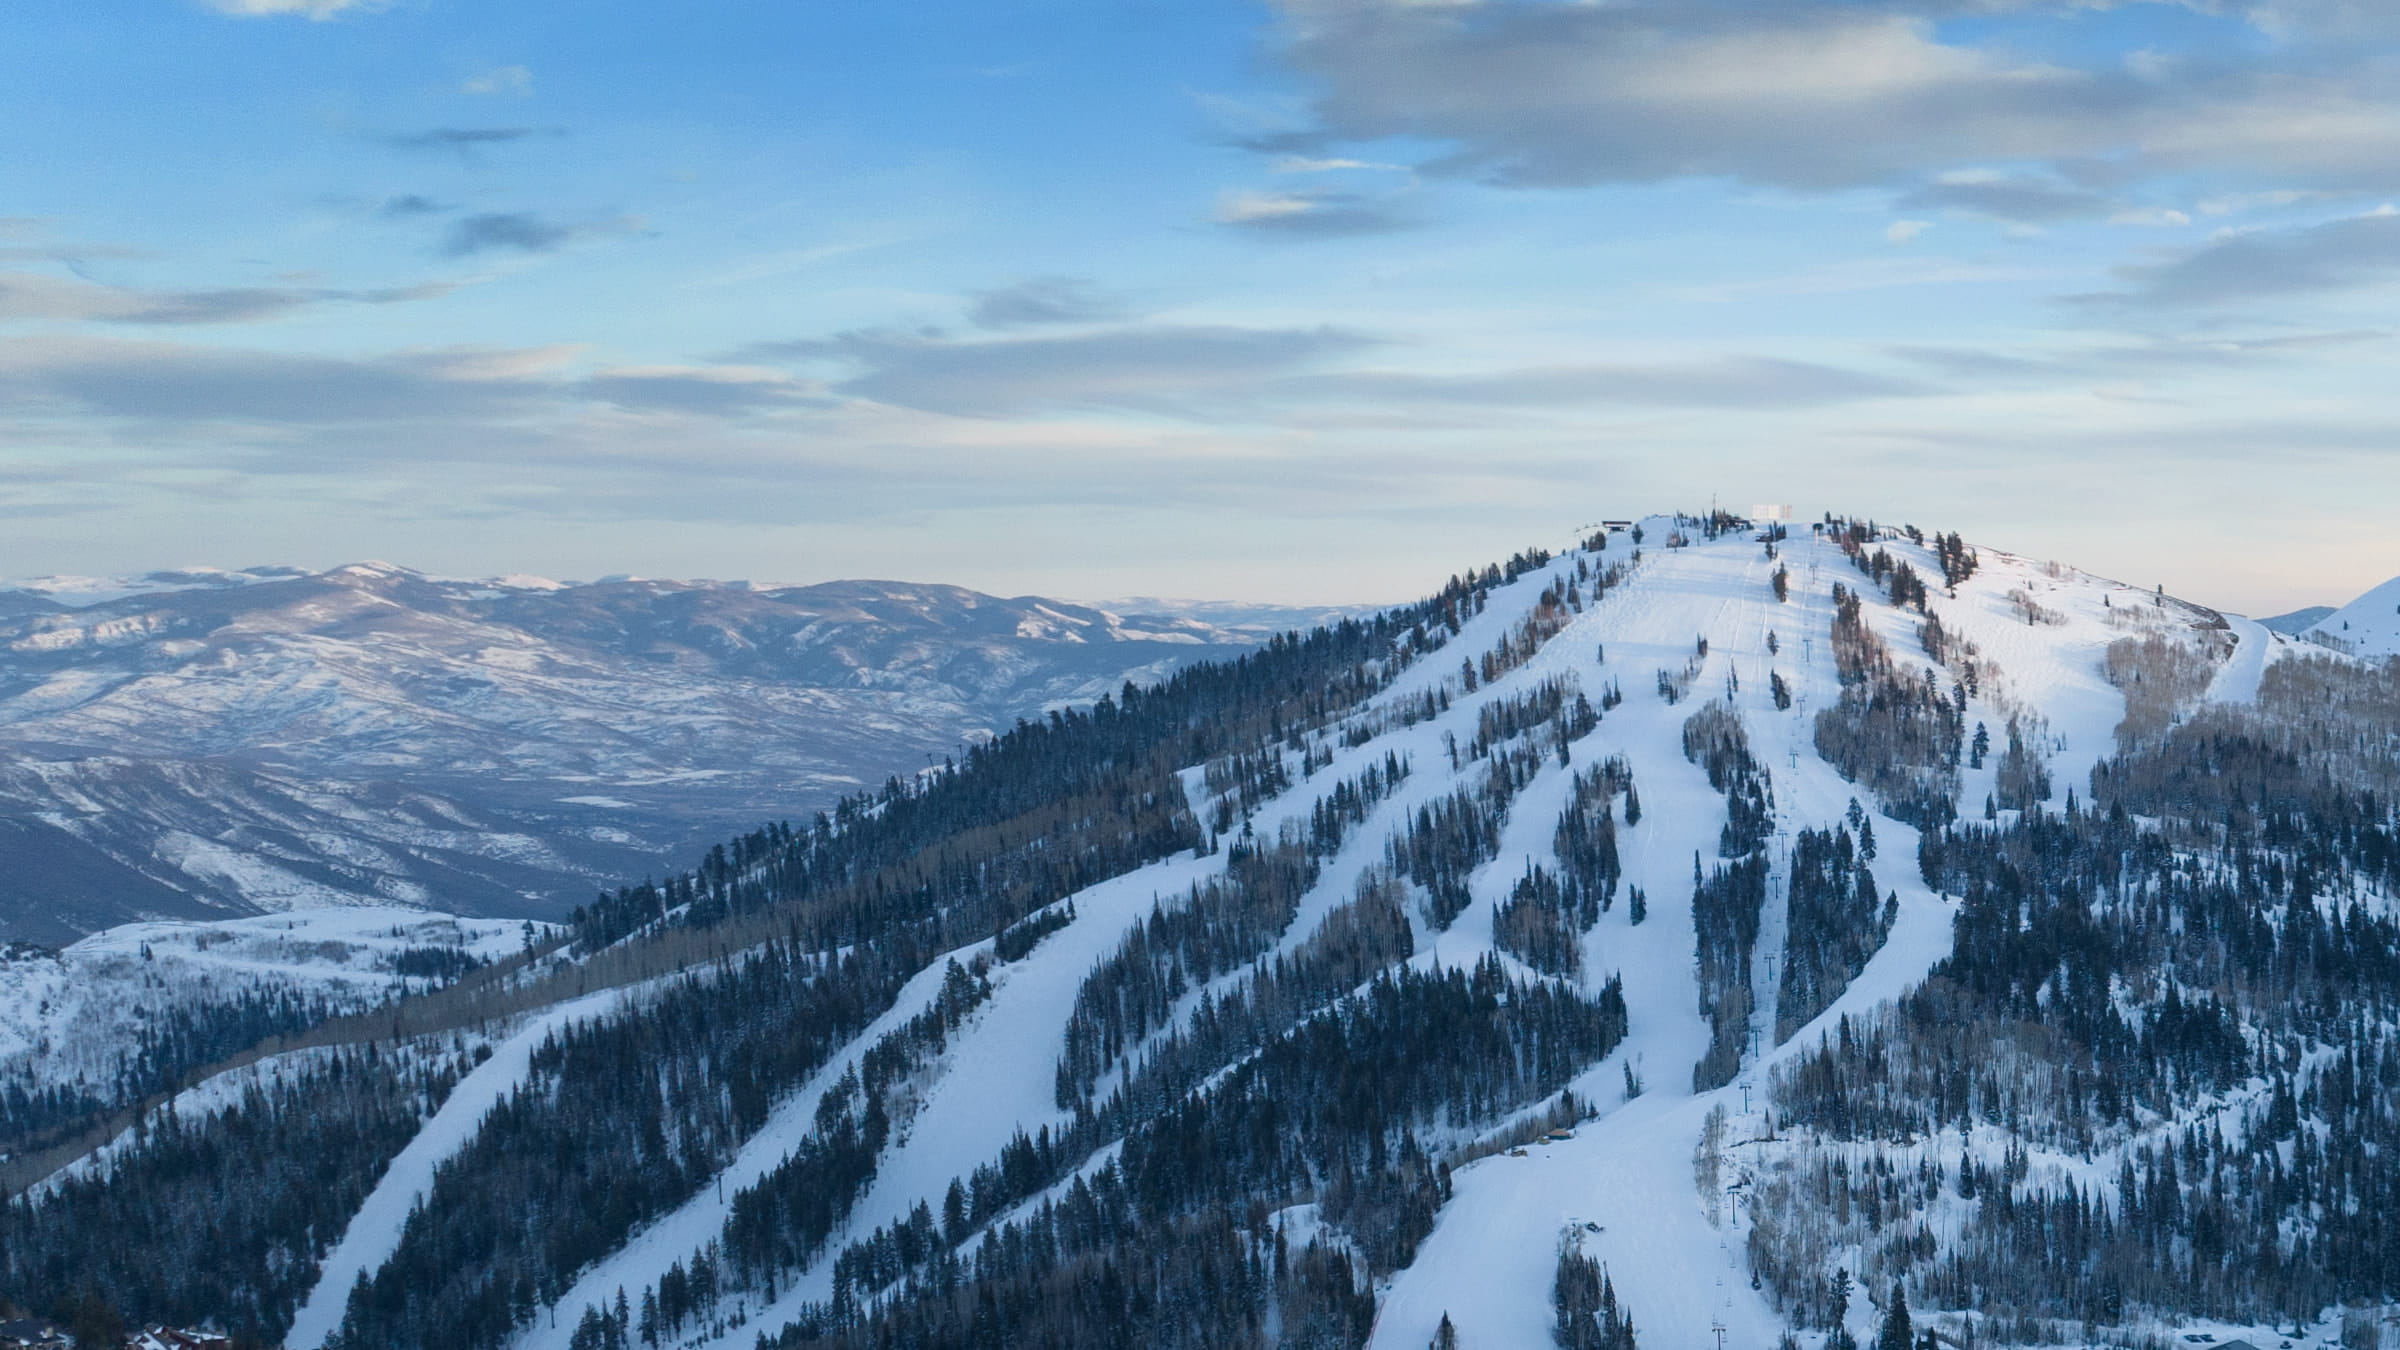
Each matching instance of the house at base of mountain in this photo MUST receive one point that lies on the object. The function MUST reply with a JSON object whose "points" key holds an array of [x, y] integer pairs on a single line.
{"points": [[33, 1333], [168, 1338]]}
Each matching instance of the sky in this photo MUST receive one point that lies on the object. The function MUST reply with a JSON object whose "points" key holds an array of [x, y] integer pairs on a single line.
{"points": [[1312, 301]]}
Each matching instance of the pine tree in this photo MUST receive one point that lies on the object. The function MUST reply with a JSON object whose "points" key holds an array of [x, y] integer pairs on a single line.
{"points": [[1897, 1334]]}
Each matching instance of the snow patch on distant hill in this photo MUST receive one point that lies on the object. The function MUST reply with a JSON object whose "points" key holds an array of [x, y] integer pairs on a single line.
{"points": [[69, 1017], [2368, 626]]}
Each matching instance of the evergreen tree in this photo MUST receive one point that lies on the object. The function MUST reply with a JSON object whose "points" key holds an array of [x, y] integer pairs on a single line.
{"points": [[1897, 1334]]}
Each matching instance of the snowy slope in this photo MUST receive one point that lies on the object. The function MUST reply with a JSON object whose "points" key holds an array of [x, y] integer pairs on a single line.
{"points": [[66, 1017], [374, 1231], [1622, 1187], [1628, 1173], [2368, 626]]}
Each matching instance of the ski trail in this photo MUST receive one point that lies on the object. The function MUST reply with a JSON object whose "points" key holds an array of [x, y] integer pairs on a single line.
{"points": [[2237, 680], [996, 1078], [374, 1231], [1623, 1188], [653, 1248]]}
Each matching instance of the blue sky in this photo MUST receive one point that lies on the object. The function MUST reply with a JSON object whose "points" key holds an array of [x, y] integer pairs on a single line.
{"points": [[1312, 300]]}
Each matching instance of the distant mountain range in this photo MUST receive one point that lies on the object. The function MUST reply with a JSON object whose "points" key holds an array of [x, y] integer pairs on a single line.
{"points": [[2297, 622], [206, 743]]}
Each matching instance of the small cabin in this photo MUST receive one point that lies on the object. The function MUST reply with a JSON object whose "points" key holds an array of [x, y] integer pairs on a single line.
{"points": [[170, 1338], [1555, 1135], [33, 1333]]}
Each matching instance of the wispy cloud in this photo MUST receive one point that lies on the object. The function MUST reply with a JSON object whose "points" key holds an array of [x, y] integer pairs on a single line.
{"points": [[33, 295], [524, 232], [1729, 383], [1232, 375], [2245, 267], [1154, 368], [712, 391], [1314, 164], [173, 382], [2081, 365], [520, 231], [409, 204], [1045, 300], [2021, 198], [515, 80], [462, 140], [311, 9], [1309, 215]]}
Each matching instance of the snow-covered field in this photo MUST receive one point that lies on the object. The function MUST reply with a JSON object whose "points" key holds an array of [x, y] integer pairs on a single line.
{"points": [[68, 1016]]}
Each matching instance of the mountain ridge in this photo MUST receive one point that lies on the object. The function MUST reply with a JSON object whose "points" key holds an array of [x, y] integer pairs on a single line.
{"points": [[1621, 942], [232, 742]]}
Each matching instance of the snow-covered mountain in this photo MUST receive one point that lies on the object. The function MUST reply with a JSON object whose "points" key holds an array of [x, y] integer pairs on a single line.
{"points": [[2297, 621], [2368, 626], [198, 743], [1688, 932]]}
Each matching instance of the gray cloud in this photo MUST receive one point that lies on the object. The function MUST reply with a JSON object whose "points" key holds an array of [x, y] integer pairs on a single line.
{"points": [[700, 393], [1803, 94], [2257, 265], [486, 394], [27, 295], [409, 204], [1044, 300], [150, 381], [521, 231], [233, 305], [1234, 374], [1148, 368], [1732, 383], [461, 139], [1795, 95], [2084, 364], [2025, 200]]}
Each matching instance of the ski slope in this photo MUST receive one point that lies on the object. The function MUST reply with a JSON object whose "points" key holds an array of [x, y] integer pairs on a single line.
{"points": [[374, 1231], [1623, 1185]]}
